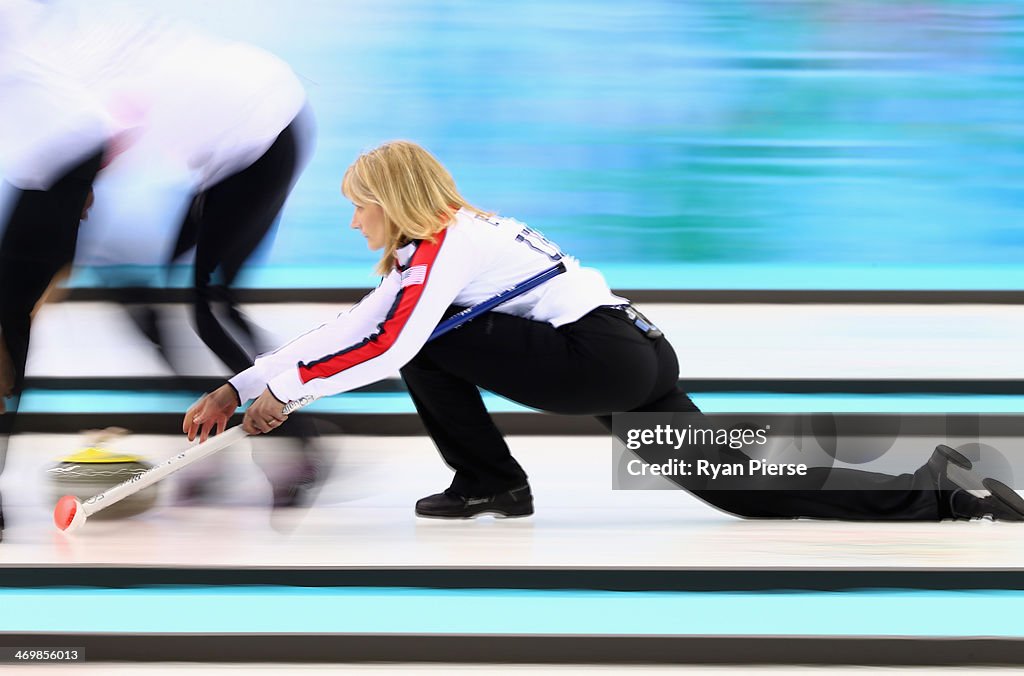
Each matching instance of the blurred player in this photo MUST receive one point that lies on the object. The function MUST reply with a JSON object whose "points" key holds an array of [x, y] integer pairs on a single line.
{"points": [[81, 84]]}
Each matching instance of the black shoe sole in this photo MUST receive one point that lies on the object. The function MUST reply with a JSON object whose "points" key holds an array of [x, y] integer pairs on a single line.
{"points": [[1006, 495], [497, 514], [953, 456]]}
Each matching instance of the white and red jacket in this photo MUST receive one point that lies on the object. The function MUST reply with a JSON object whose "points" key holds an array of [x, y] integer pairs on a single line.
{"points": [[469, 262]]}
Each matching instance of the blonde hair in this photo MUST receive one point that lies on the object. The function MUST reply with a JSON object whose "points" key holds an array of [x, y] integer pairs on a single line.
{"points": [[416, 192]]}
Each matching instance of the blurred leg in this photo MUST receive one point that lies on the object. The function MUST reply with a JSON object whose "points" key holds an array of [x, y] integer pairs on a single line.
{"points": [[232, 218], [228, 222], [38, 240]]}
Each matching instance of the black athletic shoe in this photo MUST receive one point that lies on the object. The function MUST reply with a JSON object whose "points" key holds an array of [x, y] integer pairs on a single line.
{"points": [[451, 505], [1001, 504]]}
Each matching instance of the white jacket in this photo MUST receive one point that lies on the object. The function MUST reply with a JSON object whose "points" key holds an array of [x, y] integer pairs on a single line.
{"points": [[74, 75]]}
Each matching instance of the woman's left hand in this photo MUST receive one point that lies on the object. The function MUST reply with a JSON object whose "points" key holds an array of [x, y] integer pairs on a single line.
{"points": [[265, 414]]}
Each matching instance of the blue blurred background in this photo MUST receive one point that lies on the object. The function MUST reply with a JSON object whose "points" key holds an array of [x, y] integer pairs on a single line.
{"points": [[700, 144]]}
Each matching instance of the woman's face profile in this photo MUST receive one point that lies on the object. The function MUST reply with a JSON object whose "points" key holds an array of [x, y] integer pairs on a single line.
{"points": [[369, 220]]}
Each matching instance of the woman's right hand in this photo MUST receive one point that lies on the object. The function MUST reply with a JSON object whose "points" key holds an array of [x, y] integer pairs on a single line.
{"points": [[210, 413]]}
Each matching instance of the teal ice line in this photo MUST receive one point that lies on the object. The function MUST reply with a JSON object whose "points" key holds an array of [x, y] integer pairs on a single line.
{"points": [[381, 610], [100, 401]]}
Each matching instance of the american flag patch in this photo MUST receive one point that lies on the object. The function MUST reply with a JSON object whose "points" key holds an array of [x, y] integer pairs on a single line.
{"points": [[417, 274]]}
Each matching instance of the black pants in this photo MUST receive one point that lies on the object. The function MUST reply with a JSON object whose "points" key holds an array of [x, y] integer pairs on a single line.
{"points": [[596, 366], [226, 223], [39, 239]]}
